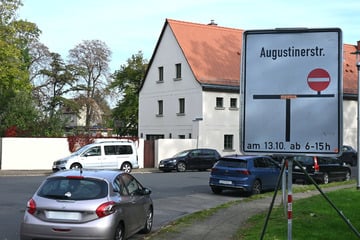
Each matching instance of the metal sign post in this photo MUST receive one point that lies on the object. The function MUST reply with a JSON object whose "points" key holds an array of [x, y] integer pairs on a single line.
{"points": [[290, 199]]}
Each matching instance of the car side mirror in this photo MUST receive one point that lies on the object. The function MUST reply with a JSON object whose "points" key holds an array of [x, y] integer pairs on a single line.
{"points": [[146, 191]]}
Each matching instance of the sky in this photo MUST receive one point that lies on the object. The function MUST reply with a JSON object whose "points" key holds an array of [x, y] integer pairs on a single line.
{"points": [[128, 27]]}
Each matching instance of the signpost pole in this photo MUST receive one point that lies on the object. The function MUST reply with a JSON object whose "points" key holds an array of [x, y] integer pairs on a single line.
{"points": [[357, 53], [289, 202]]}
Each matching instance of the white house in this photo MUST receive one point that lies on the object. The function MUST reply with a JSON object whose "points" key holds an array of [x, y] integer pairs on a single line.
{"points": [[191, 88]]}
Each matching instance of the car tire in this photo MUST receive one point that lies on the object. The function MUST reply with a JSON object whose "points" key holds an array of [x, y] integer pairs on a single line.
{"points": [[148, 222], [216, 190], [75, 166], [119, 232], [256, 189], [347, 176], [325, 179], [126, 167], [181, 167]]}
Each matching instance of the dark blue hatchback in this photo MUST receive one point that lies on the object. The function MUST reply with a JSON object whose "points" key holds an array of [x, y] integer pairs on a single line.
{"points": [[251, 174]]}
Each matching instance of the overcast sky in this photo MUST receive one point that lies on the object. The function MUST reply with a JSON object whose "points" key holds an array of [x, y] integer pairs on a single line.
{"points": [[131, 26]]}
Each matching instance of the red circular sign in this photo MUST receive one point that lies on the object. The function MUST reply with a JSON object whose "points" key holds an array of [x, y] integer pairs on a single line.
{"points": [[318, 79]]}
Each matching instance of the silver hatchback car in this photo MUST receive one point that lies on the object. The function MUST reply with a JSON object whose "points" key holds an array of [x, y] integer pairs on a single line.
{"points": [[88, 204]]}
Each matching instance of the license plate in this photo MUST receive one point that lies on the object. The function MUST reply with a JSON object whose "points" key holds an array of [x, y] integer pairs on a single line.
{"points": [[225, 182], [161, 165], [63, 215]]}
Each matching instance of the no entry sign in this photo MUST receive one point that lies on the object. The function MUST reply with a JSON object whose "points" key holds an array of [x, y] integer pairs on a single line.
{"points": [[291, 90], [318, 79]]}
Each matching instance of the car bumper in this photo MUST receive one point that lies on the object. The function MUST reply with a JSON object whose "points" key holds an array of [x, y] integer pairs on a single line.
{"points": [[167, 166], [318, 177], [230, 183], [101, 229]]}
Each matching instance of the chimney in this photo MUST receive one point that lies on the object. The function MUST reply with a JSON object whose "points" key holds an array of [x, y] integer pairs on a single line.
{"points": [[212, 23]]}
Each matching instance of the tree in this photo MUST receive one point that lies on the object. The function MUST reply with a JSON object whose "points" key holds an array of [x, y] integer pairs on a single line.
{"points": [[91, 59], [15, 37], [127, 81]]}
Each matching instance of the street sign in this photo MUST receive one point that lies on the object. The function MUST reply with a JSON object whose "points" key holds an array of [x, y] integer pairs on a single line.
{"points": [[291, 91]]}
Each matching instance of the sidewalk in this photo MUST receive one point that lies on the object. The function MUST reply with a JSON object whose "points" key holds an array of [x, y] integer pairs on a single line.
{"points": [[225, 222]]}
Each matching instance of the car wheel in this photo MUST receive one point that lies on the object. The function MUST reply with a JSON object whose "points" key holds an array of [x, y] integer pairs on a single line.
{"points": [[181, 167], [75, 166], [119, 232], [326, 178], [347, 176], [256, 189], [216, 190], [148, 222], [126, 167]]}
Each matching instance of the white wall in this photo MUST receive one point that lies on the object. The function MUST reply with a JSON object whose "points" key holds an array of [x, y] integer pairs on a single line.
{"points": [[166, 148], [40, 153], [32, 153], [350, 123]]}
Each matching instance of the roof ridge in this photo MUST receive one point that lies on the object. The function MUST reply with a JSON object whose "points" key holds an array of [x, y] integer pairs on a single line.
{"points": [[217, 27]]}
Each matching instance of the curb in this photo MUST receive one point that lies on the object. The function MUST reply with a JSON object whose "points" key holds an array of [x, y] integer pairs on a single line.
{"points": [[48, 172]]}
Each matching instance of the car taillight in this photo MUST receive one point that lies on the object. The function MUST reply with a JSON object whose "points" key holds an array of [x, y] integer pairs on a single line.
{"points": [[31, 206], [316, 165], [244, 172], [105, 209]]}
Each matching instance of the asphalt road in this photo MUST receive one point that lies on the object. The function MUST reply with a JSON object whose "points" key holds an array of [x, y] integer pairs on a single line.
{"points": [[174, 195]]}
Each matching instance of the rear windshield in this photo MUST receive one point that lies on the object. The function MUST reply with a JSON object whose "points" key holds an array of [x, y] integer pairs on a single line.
{"points": [[73, 189], [232, 163], [304, 159]]}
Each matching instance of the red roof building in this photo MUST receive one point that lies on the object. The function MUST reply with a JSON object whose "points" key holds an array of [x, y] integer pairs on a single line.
{"points": [[208, 57]]}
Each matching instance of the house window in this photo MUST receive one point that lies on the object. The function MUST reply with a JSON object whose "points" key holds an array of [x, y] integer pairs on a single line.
{"points": [[181, 136], [181, 106], [233, 103], [160, 108], [228, 142], [161, 74], [178, 71], [219, 103]]}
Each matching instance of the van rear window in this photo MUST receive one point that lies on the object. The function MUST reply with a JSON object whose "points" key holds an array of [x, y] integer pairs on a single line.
{"points": [[118, 149]]}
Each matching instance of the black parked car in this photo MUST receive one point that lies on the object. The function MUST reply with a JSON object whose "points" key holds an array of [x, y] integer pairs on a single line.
{"points": [[321, 169], [348, 155], [200, 159]]}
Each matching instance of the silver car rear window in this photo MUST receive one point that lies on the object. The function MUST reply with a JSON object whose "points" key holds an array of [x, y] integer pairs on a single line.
{"points": [[73, 188]]}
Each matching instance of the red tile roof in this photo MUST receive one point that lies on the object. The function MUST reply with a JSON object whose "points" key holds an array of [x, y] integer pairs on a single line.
{"points": [[350, 72], [213, 53]]}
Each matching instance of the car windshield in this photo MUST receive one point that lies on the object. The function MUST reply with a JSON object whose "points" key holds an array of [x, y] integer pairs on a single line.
{"points": [[81, 150], [181, 154], [232, 163], [73, 188]]}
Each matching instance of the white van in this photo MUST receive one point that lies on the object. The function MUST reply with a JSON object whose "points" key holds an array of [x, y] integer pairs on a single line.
{"points": [[117, 154]]}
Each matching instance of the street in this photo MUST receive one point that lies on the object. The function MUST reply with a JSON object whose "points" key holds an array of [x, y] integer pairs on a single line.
{"points": [[174, 195]]}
